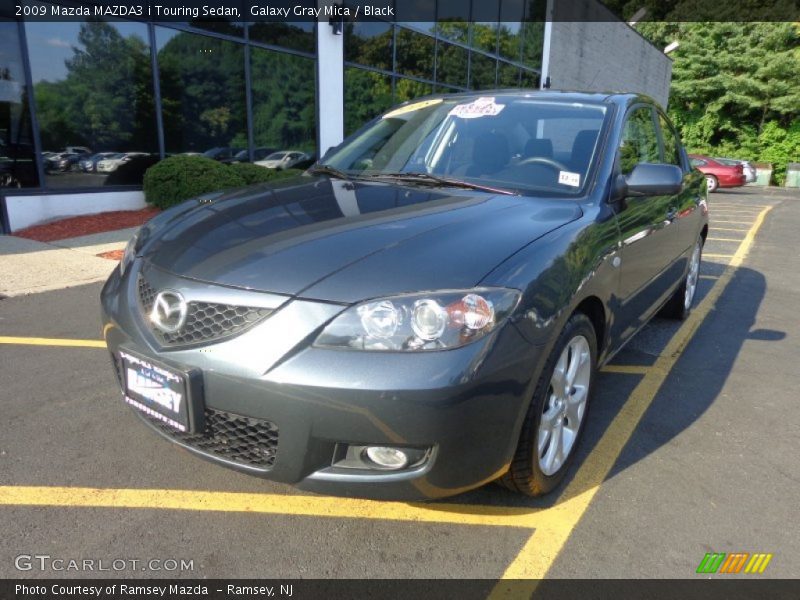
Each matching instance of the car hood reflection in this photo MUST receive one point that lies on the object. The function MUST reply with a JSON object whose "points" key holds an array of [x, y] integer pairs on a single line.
{"points": [[346, 241]]}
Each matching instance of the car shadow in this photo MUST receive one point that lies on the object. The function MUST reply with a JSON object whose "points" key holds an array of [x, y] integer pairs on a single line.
{"points": [[692, 386]]}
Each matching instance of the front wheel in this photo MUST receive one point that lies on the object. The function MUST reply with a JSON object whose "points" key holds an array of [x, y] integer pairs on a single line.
{"points": [[557, 413], [712, 183]]}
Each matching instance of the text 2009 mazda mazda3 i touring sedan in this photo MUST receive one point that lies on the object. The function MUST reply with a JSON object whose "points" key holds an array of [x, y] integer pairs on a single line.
{"points": [[424, 310]]}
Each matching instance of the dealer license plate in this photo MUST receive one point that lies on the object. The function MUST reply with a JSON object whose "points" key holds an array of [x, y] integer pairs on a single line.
{"points": [[156, 390]]}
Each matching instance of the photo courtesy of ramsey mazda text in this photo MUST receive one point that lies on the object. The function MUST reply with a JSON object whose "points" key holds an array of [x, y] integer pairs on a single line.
{"points": [[425, 309]]}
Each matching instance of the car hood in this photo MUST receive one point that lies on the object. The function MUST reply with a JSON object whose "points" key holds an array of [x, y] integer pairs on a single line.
{"points": [[344, 242]]}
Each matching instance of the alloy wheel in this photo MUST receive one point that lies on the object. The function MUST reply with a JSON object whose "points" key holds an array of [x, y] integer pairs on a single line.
{"points": [[564, 408], [691, 277]]}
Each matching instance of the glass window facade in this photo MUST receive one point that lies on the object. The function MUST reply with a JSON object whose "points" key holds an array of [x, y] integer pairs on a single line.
{"points": [[202, 93], [284, 102], [113, 98], [91, 105], [451, 46], [92, 85], [17, 160]]}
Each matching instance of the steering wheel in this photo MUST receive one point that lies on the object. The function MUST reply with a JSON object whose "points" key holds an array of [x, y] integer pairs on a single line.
{"points": [[548, 162]]}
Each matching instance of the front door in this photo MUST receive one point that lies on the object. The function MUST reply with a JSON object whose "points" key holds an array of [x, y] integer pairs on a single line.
{"points": [[647, 231]]}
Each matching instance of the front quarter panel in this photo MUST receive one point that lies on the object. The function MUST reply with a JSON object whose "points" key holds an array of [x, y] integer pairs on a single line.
{"points": [[560, 270]]}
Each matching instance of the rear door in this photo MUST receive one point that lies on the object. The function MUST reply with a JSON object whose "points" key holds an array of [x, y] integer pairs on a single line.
{"points": [[685, 209]]}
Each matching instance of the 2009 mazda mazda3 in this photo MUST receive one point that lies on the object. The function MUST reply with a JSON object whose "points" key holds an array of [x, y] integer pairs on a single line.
{"points": [[425, 309]]}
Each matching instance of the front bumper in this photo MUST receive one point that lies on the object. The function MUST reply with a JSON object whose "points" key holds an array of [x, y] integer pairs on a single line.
{"points": [[465, 405]]}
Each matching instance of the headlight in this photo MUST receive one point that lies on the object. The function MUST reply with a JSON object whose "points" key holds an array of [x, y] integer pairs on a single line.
{"points": [[430, 321], [129, 254]]}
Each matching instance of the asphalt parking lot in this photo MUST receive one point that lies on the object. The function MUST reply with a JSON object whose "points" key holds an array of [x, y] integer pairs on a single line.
{"points": [[691, 448]]}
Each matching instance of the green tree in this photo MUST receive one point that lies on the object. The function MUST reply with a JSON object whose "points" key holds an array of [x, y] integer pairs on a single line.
{"points": [[106, 100], [284, 100], [203, 92], [367, 94], [732, 83]]}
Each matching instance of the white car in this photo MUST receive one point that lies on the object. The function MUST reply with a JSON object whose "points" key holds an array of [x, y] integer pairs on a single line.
{"points": [[285, 159], [112, 163]]}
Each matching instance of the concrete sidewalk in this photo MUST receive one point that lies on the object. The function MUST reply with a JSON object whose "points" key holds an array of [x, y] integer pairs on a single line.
{"points": [[27, 266]]}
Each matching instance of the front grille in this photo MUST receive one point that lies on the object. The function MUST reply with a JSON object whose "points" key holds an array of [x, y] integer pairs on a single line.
{"points": [[205, 321], [242, 440]]}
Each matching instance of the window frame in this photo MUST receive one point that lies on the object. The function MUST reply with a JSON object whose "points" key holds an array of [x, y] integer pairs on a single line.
{"points": [[631, 109], [678, 143]]}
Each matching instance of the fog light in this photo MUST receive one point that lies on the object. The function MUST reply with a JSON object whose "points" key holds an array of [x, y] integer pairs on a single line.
{"points": [[388, 458]]}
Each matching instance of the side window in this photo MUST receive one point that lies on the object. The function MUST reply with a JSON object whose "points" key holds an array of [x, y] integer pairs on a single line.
{"points": [[639, 140], [696, 162], [672, 153]]}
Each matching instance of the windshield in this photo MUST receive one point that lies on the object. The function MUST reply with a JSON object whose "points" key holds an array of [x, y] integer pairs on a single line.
{"points": [[505, 141], [276, 156]]}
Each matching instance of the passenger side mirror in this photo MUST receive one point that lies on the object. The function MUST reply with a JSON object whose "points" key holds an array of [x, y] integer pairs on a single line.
{"points": [[654, 180]]}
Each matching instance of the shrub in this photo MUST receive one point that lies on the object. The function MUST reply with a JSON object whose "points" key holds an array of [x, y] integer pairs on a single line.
{"points": [[179, 178], [254, 174]]}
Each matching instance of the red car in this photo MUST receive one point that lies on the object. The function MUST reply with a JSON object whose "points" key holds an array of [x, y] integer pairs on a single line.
{"points": [[717, 174]]}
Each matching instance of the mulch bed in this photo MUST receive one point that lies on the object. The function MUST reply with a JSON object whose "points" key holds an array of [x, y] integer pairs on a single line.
{"points": [[87, 224], [112, 254]]}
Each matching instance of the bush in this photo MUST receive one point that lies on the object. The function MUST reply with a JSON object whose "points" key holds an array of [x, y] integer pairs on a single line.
{"points": [[179, 178], [254, 174]]}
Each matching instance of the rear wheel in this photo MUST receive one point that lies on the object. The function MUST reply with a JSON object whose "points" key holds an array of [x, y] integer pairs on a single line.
{"points": [[557, 413], [680, 305], [712, 183]]}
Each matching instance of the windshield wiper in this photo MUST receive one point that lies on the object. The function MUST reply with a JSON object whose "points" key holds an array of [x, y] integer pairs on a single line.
{"points": [[330, 171], [426, 178]]}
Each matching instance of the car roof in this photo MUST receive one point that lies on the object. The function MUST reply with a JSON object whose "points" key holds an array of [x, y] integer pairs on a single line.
{"points": [[618, 98]]}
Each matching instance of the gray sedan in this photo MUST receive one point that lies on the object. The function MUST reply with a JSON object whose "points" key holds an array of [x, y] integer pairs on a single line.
{"points": [[424, 310]]}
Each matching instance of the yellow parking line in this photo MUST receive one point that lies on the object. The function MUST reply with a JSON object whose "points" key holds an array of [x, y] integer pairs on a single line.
{"points": [[625, 369], [555, 525], [552, 525], [710, 255], [709, 277], [738, 206], [739, 230], [277, 504], [36, 341], [716, 239], [711, 224]]}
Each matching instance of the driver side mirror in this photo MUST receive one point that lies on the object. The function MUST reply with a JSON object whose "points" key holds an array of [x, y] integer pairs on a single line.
{"points": [[648, 179]]}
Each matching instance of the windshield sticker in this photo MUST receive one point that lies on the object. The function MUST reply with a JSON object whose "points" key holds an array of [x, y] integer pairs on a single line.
{"points": [[570, 179], [412, 107], [482, 107]]}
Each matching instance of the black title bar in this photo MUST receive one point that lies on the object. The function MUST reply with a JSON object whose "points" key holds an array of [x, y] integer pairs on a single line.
{"points": [[717, 588], [402, 11]]}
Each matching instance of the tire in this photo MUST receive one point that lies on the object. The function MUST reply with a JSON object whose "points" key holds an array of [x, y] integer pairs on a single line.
{"points": [[712, 183], [530, 472], [679, 306]]}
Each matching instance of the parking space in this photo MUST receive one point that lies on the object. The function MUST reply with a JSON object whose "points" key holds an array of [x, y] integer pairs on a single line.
{"points": [[690, 448]]}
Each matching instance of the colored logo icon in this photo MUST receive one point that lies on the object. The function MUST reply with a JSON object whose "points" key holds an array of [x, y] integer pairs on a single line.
{"points": [[732, 563]]}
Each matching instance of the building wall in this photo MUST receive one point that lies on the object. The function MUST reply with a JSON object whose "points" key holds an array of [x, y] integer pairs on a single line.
{"points": [[24, 211], [604, 55]]}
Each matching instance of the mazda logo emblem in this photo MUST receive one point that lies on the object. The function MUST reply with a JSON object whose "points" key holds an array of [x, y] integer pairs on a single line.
{"points": [[169, 311]]}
